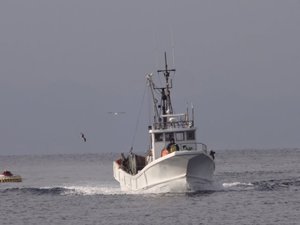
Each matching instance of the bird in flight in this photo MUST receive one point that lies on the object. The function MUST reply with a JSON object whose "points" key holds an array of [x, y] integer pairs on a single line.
{"points": [[116, 113], [83, 137]]}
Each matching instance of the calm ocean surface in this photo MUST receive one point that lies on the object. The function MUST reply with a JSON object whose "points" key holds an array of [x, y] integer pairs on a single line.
{"points": [[251, 187]]}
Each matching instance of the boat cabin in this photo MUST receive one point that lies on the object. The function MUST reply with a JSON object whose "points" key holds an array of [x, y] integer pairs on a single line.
{"points": [[177, 127]]}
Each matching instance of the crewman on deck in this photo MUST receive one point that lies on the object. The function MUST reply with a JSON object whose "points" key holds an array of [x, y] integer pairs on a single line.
{"points": [[172, 146]]}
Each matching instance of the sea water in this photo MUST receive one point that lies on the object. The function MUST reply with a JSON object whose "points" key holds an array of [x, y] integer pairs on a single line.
{"points": [[250, 187]]}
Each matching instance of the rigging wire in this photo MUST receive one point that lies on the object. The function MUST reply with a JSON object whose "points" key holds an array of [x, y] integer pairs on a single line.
{"points": [[150, 112], [138, 118]]}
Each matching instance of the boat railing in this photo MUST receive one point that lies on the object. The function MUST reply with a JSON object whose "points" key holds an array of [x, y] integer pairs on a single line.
{"points": [[195, 146], [174, 124]]}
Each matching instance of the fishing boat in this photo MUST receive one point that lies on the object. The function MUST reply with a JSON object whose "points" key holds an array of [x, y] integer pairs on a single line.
{"points": [[7, 176], [175, 161]]}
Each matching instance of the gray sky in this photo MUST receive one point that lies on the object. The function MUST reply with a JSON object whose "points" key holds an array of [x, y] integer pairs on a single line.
{"points": [[65, 64]]}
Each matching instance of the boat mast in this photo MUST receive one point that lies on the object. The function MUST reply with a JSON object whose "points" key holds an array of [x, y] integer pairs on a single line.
{"points": [[165, 92], [166, 104]]}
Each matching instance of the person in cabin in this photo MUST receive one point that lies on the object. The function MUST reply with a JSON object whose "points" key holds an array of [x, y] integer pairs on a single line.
{"points": [[172, 146]]}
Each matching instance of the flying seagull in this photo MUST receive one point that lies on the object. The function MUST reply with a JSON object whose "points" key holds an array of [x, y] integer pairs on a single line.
{"points": [[116, 113], [83, 137]]}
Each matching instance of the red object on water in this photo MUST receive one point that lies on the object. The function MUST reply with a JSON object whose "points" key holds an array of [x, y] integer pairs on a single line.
{"points": [[7, 173]]}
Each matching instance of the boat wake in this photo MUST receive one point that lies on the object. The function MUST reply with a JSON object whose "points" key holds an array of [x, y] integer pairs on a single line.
{"points": [[282, 184], [237, 184], [92, 190], [65, 190], [89, 190], [266, 185]]}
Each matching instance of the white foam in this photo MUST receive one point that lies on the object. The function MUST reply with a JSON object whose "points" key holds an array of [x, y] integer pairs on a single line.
{"points": [[91, 190], [234, 184]]}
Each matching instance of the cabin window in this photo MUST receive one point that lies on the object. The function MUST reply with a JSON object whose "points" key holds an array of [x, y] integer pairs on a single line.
{"points": [[179, 136], [158, 137], [169, 136], [190, 135]]}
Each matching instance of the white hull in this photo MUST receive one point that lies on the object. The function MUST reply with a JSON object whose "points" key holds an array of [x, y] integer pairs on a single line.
{"points": [[177, 172]]}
